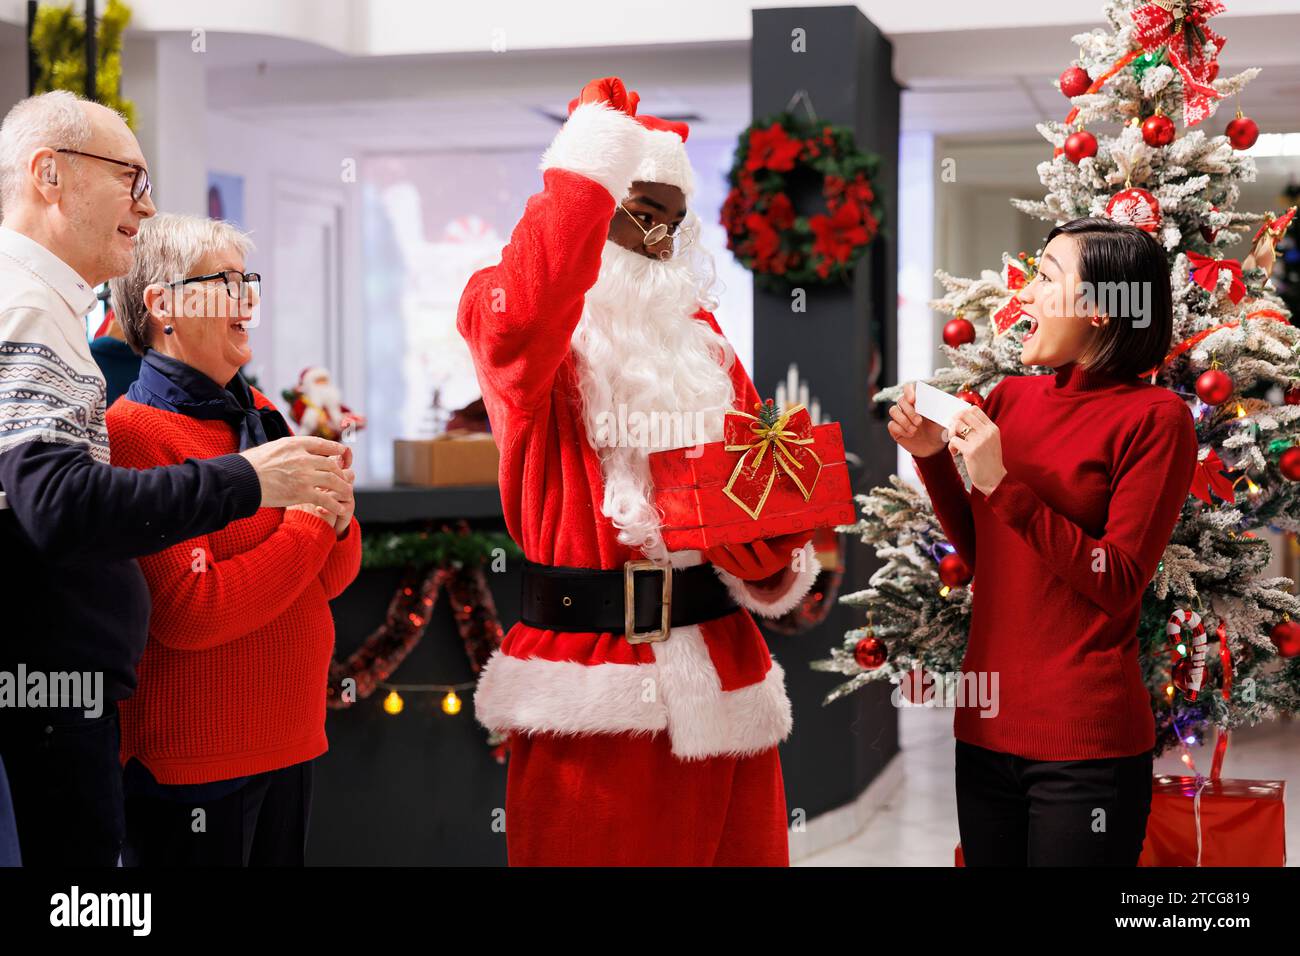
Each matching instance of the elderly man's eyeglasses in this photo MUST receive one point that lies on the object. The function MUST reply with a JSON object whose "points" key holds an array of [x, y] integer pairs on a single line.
{"points": [[139, 186], [660, 231], [239, 284]]}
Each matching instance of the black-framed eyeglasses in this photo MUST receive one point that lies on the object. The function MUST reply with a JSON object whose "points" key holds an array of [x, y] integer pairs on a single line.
{"points": [[139, 186], [238, 284]]}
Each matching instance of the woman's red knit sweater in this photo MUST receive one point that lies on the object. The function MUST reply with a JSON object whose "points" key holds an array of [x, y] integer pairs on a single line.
{"points": [[1097, 473], [232, 680]]}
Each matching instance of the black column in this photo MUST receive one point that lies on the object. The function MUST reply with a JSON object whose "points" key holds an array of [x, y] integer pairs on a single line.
{"points": [[845, 347]]}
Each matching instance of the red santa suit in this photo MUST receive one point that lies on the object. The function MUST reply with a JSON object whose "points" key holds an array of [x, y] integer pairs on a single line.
{"points": [[621, 753]]}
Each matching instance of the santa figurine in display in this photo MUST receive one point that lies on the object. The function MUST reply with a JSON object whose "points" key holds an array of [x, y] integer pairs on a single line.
{"points": [[317, 408], [641, 732]]}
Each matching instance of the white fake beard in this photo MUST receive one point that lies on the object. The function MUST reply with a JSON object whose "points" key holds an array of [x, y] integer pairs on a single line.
{"points": [[639, 347]]}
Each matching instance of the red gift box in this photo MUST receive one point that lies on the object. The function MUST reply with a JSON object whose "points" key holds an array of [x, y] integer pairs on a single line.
{"points": [[1242, 823], [767, 477]]}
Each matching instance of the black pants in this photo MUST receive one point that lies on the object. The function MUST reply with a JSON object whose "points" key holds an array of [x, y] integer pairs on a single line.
{"points": [[66, 784], [263, 823], [1013, 811]]}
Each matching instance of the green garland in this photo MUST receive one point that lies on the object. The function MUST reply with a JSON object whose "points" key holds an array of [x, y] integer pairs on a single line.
{"points": [[398, 549], [59, 44]]}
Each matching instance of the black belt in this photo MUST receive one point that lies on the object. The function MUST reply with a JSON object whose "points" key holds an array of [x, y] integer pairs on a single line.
{"points": [[557, 598]]}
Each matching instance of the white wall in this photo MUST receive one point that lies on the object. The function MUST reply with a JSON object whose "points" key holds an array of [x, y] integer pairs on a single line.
{"points": [[269, 160]]}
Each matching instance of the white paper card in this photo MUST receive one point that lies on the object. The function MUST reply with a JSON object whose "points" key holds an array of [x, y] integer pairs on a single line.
{"points": [[936, 404]]}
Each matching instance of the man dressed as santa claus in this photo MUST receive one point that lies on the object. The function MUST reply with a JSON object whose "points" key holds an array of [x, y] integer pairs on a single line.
{"points": [[642, 706]]}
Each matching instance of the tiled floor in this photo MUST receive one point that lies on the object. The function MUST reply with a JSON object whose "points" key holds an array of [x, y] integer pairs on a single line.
{"points": [[918, 825]]}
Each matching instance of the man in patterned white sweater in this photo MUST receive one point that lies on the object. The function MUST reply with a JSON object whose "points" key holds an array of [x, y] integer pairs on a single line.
{"points": [[74, 188]]}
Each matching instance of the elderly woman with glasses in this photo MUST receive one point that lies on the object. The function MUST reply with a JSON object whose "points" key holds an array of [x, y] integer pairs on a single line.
{"points": [[229, 712]]}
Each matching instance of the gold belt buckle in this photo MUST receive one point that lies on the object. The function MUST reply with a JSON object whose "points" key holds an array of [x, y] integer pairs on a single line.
{"points": [[629, 603]]}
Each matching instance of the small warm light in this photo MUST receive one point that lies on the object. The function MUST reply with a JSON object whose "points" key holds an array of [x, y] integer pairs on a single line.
{"points": [[1253, 488], [393, 703], [943, 591], [1241, 412], [1187, 759], [1169, 690], [451, 703]]}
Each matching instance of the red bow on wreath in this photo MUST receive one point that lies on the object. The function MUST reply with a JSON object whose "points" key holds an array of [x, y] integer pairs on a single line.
{"points": [[1181, 26], [786, 438], [1209, 476], [1205, 273]]}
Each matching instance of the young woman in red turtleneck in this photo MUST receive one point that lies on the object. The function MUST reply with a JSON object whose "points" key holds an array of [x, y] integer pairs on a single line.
{"points": [[1078, 478]]}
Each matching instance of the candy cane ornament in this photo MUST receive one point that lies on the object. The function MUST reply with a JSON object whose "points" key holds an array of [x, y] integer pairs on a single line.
{"points": [[1196, 659]]}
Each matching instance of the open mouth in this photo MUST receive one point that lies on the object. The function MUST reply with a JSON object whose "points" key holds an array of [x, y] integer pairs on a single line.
{"points": [[241, 327], [128, 231], [1033, 327]]}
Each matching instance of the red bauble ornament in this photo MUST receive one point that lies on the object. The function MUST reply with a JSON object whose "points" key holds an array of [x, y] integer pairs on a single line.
{"points": [[953, 571], [1289, 463], [1075, 81], [1242, 132], [1214, 386], [1182, 673], [958, 331], [971, 398], [870, 653], [1293, 396], [1210, 233], [1135, 207], [1285, 636], [1158, 130], [1080, 145]]}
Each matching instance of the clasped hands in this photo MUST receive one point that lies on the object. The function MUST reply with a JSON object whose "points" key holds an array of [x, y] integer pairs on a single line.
{"points": [[340, 522]]}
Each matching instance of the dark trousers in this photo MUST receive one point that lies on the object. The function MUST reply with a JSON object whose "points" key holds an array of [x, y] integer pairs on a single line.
{"points": [[66, 784], [1013, 811], [263, 823]]}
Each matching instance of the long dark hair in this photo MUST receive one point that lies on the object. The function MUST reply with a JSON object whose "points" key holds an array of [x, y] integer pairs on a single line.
{"points": [[1117, 256]]}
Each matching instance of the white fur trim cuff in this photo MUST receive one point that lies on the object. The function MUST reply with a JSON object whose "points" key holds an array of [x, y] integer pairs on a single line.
{"points": [[680, 693], [601, 143], [801, 582]]}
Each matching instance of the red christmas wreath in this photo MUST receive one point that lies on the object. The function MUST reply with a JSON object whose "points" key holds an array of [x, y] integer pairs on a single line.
{"points": [[784, 249]]}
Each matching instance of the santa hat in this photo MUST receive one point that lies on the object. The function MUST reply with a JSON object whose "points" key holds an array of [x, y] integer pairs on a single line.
{"points": [[663, 151], [311, 371], [664, 159]]}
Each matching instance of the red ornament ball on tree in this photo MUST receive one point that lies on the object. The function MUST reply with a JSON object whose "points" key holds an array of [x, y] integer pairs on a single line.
{"points": [[1289, 463], [870, 653], [1075, 81], [1210, 233], [1214, 386], [1293, 396], [1158, 130], [1135, 207], [1286, 638], [1080, 145], [953, 571], [1182, 673], [1242, 132], [958, 331], [971, 398]]}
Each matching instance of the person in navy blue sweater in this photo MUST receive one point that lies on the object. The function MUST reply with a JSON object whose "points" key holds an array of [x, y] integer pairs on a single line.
{"points": [[74, 188]]}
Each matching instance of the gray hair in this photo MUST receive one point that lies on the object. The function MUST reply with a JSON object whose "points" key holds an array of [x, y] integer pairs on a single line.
{"points": [[57, 120], [167, 247]]}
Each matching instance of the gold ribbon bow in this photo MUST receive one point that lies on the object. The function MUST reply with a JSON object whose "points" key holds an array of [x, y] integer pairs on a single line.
{"points": [[787, 439]]}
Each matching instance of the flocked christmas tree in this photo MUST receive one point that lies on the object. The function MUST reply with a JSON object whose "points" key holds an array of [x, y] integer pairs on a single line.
{"points": [[1233, 357]]}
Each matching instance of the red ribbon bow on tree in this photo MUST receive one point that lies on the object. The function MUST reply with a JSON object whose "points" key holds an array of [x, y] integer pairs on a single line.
{"points": [[1182, 26], [1209, 476], [1205, 273], [787, 437]]}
